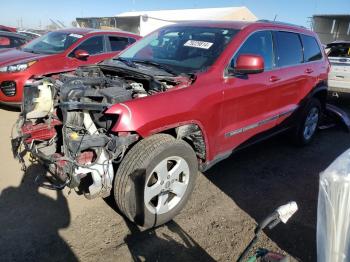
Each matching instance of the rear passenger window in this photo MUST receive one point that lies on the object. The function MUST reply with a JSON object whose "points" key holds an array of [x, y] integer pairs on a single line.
{"points": [[259, 43], [15, 42], [289, 49], [312, 51], [132, 40], [118, 43]]}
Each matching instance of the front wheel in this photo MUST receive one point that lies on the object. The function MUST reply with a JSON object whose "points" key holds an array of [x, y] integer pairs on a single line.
{"points": [[309, 122], [155, 180]]}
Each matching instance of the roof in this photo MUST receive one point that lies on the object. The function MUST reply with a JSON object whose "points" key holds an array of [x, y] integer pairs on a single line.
{"points": [[85, 31], [96, 17], [223, 13], [215, 23], [75, 30], [239, 25], [341, 16], [114, 31], [7, 28]]}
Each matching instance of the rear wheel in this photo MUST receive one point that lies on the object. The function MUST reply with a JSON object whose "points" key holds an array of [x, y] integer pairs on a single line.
{"points": [[309, 122], [155, 180]]}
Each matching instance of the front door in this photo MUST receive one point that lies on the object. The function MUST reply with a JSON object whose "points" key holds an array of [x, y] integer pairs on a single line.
{"points": [[96, 48], [247, 105]]}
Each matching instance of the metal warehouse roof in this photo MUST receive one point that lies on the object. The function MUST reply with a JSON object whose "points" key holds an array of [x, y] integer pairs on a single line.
{"points": [[344, 16], [223, 13]]}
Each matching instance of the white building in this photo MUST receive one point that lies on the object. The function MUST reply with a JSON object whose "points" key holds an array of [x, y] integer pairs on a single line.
{"points": [[144, 22]]}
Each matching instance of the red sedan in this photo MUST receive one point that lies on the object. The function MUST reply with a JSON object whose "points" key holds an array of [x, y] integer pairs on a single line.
{"points": [[56, 52]]}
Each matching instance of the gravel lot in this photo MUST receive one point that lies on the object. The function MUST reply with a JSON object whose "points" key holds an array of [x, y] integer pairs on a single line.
{"points": [[41, 225]]}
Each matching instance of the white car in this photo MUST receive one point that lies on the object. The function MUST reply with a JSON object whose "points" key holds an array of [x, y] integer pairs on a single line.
{"points": [[339, 76]]}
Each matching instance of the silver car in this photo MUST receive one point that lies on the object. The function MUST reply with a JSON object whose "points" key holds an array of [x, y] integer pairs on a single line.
{"points": [[339, 76]]}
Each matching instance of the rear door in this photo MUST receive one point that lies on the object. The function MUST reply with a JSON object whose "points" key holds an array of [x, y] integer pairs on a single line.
{"points": [[247, 103], [339, 76], [315, 65], [289, 77]]}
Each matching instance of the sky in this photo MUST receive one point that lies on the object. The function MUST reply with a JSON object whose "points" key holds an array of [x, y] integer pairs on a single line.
{"points": [[37, 13]]}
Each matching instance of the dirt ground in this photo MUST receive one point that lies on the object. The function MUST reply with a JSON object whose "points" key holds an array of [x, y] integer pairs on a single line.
{"points": [[41, 225]]}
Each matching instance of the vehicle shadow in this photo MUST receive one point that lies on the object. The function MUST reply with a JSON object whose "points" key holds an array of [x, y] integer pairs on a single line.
{"points": [[272, 173], [165, 243], [30, 222], [10, 108]]}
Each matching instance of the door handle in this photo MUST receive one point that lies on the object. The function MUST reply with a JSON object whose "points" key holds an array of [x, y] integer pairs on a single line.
{"points": [[274, 78], [308, 70]]}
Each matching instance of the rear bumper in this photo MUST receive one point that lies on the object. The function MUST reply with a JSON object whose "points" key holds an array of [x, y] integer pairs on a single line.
{"points": [[339, 86]]}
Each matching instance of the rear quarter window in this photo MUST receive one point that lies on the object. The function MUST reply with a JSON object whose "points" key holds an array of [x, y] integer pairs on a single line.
{"points": [[312, 51], [118, 43], [132, 40], [288, 48]]}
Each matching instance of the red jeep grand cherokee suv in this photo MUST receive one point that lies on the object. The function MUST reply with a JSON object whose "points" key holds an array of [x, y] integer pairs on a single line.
{"points": [[56, 52], [181, 99]]}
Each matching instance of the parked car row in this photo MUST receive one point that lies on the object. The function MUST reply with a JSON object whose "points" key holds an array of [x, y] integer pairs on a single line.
{"points": [[141, 125], [56, 52], [10, 37], [12, 40]]}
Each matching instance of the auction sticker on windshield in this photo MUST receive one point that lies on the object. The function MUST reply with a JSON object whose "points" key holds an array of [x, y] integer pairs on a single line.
{"points": [[198, 44]]}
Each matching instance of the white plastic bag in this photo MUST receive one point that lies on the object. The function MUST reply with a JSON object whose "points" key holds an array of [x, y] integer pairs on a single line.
{"points": [[333, 212]]}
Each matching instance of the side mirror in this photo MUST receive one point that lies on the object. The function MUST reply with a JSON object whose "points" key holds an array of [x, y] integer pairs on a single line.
{"points": [[248, 64], [81, 54]]}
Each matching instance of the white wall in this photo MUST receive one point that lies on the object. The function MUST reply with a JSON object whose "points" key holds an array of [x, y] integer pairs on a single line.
{"points": [[149, 25]]}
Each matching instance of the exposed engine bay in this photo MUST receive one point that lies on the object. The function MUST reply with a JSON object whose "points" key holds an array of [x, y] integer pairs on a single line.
{"points": [[63, 125]]}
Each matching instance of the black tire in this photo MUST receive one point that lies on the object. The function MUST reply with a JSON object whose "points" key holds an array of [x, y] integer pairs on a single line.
{"points": [[300, 138], [136, 168]]}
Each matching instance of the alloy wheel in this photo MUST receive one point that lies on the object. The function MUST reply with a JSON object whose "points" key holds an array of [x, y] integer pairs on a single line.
{"points": [[166, 185], [311, 123]]}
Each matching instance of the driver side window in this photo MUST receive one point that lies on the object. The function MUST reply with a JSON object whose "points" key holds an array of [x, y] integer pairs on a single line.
{"points": [[259, 43], [93, 45]]}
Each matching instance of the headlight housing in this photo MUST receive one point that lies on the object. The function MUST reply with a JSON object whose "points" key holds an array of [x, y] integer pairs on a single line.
{"points": [[17, 67]]}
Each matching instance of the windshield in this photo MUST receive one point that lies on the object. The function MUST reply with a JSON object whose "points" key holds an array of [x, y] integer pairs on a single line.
{"points": [[341, 50], [52, 43], [183, 49]]}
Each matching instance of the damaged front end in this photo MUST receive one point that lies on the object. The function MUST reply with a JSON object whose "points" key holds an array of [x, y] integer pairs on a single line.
{"points": [[63, 126]]}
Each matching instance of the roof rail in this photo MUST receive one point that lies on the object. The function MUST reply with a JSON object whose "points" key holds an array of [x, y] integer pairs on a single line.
{"points": [[279, 23]]}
